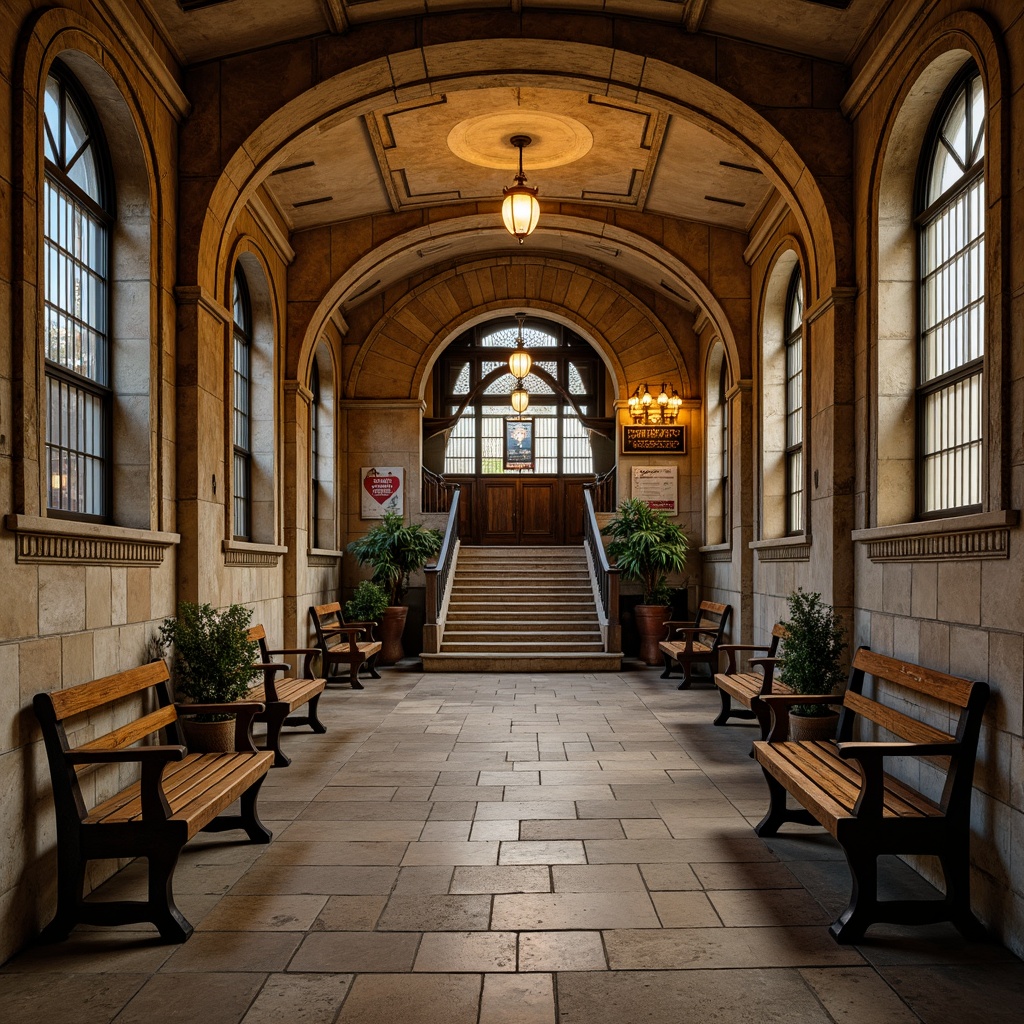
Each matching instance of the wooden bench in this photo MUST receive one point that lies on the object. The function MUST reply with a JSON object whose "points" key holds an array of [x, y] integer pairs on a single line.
{"points": [[842, 785], [329, 624], [283, 696], [747, 688], [695, 643], [178, 795]]}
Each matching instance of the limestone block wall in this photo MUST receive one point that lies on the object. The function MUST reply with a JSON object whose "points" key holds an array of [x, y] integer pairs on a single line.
{"points": [[81, 600], [958, 613]]}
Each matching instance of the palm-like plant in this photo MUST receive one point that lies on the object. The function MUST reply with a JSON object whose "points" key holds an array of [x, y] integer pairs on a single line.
{"points": [[396, 551], [647, 546]]}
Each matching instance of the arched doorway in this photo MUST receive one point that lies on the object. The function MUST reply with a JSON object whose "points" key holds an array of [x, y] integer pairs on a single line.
{"points": [[537, 500]]}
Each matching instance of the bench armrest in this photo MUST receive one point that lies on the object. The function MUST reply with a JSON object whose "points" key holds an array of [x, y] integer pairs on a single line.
{"points": [[271, 666], [309, 654], [780, 703], [732, 649], [153, 760], [689, 635], [243, 710], [871, 801]]}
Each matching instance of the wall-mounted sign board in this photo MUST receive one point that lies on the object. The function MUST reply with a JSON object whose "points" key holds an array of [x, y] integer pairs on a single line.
{"points": [[658, 486], [648, 440], [382, 491]]}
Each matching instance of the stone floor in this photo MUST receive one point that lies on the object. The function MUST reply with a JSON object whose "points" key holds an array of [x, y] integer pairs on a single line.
{"points": [[514, 850]]}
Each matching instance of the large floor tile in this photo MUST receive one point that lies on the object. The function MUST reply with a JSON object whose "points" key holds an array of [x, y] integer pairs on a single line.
{"points": [[423, 998], [354, 952], [574, 911]]}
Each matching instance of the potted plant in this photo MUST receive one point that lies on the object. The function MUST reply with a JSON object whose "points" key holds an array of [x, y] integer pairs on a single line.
{"points": [[368, 603], [810, 662], [395, 551], [213, 662], [647, 546]]}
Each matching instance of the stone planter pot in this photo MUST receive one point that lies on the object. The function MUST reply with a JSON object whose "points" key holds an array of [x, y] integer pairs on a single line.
{"points": [[392, 625], [813, 727], [209, 737], [650, 624]]}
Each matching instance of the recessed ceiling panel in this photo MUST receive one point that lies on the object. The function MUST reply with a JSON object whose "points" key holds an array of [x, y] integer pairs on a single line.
{"points": [[456, 147]]}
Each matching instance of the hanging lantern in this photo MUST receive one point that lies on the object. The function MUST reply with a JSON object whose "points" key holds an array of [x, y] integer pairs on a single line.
{"points": [[520, 210], [520, 362], [520, 398]]}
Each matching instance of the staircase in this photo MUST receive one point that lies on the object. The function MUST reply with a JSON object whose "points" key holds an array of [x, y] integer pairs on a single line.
{"points": [[518, 609]]}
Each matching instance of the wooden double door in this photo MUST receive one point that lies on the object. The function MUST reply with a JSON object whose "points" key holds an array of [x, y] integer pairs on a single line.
{"points": [[521, 510]]}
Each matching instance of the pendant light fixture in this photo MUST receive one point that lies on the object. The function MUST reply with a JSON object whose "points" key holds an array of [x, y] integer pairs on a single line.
{"points": [[520, 210], [519, 365]]}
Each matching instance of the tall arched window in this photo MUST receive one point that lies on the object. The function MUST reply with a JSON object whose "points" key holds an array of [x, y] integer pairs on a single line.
{"points": [[716, 446], [795, 405], [78, 198], [314, 455], [723, 429], [951, 233], [242, 432]]}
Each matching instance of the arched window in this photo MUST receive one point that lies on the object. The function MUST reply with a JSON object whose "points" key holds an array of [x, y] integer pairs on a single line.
{"points": [[77, 225], [242, 433], [567, 381], [795, 405], [717, 446], [951, 349], [314, 455]]}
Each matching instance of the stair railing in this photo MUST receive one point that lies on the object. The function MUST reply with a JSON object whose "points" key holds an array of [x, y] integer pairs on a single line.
{"points": [[439, 577], [436, 493], [604, 577], [604, 491]]}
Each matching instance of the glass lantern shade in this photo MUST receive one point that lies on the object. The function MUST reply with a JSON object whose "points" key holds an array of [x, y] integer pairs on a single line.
{"points": [[519, 363], [520, 399], [520, 211]]}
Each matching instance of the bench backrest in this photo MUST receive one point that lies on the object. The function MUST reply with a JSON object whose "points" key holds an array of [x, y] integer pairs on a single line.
{"points": [[965, 700], [713, 620], [54, 709], [323, 615]]}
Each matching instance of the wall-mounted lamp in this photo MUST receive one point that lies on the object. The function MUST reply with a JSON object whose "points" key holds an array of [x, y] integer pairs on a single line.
{"points": [[644, 407]]}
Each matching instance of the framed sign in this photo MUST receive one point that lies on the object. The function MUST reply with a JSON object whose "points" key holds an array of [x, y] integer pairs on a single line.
{"points": [[669, 439], [382, 490], [518, 442], [658, 486]]}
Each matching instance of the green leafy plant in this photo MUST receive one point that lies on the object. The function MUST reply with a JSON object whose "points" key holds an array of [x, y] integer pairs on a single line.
{"points": [[395, 551], [212, 656], [647, 546], [367, 604], [811, 655]]}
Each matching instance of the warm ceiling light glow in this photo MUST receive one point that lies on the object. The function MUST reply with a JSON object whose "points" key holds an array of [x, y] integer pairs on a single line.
{"points": [[520, 399], [520, 362], [520, 210]]}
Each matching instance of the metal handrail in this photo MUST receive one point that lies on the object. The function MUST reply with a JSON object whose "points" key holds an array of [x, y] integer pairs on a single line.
{"points": [[607, 575], [439, 574]]}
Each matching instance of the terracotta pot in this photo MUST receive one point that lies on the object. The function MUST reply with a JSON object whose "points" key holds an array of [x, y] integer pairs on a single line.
{"points": [[813, 727], [392, 625], [209, 737], [650, 624]]}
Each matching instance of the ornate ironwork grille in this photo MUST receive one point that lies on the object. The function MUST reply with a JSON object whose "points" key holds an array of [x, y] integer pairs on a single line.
{"points": [[242, 410], [570, 383], [951, 232], [76, 345], [795, 405]]}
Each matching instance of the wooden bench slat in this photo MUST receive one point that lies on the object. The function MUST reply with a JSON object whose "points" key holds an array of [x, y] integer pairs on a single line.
{"points": [[895, 721], [131, 733], [820, 803], [76, 700], [950, 689]]}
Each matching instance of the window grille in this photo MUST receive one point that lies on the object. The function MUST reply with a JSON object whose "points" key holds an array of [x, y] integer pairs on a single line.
{"points": [[795, 405], [951, 239], [76, 305], [242, 375]]}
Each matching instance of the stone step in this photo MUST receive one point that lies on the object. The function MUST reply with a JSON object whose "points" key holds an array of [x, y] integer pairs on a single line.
{"points": [[496, 616], [468, 662], [529, 633], [522, 609], [498, 647]]}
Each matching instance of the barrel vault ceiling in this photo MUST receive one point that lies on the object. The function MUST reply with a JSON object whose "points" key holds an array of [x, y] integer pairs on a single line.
{"points": [[452, 148]]}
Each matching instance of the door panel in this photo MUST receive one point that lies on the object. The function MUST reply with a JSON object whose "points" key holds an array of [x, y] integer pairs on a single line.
{"points": [[499, 512], [539, 519], [572, 517]]}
